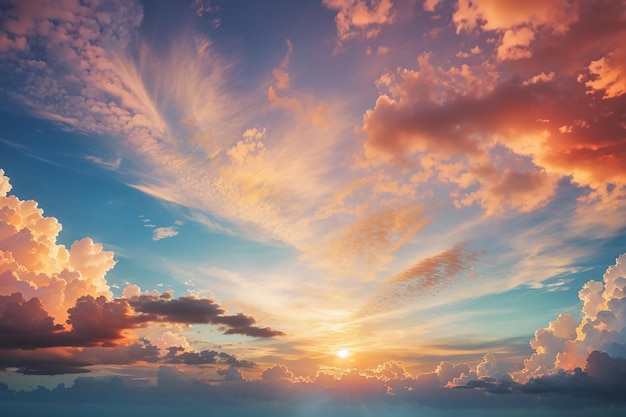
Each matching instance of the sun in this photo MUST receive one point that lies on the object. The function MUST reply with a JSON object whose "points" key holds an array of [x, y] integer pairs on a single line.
{"points": [[343, 353]]}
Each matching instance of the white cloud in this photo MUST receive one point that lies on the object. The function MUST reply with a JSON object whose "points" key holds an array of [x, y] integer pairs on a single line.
{"points": [[164, 232]]}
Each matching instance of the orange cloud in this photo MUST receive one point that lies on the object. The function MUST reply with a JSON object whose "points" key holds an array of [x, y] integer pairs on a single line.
{"points": [[506, 14], [360, 18], [370, 242], [33, 264], [426, 277]]}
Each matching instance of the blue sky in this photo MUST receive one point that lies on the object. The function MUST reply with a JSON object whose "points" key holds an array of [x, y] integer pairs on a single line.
{"points": [[235, 191]]}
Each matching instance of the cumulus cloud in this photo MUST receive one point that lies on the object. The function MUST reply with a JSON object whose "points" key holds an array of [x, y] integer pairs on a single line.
{"points": [[360, 18], [566, 344], [436, 121], [93, 321], [33, 264]]}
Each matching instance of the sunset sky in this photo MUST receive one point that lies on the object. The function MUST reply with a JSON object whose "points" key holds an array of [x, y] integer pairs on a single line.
{"points": [[340, 207]]}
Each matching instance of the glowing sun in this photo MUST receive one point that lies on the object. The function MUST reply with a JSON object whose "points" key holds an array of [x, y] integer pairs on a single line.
{"points": [[343, 353]]}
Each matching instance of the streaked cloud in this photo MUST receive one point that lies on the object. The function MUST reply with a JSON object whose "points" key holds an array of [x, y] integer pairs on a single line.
{"points": [[425, 278]]}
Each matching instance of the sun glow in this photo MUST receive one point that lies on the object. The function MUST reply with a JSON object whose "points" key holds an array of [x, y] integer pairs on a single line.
{"points": [[343, 353]]}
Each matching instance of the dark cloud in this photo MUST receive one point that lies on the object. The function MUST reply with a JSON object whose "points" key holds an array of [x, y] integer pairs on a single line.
{"points": [[25, 324], [176, 355], [46, 361], [602, 378], [94, 322], [35, 345], [191, 310]]}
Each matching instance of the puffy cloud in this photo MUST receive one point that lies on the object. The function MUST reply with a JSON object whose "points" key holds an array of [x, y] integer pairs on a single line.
{"points": [[33, 264], [277, 373], [566, 345], [231, 374], [608, 74], [448, 372], [25, 323], [496, 145], [56, 312], [360, 18], [602, 378], [164, 232], [168, 338], [514, 44], [94, 322]]}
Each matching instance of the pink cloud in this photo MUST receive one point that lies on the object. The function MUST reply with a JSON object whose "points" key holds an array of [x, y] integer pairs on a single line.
{"points": [[32, 263], [470, 134], [566, 344], [360, 18]]}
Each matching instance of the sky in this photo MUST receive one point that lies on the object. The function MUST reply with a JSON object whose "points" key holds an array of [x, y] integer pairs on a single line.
{"points": [[340, 207]]}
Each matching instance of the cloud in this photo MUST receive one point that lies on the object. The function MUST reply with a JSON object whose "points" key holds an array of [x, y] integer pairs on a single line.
{"points": [[94, 322], [602, 378], [494, 144], [360, 18], [608, 73], [34, 264], [431, 5], [514, 44], [25, 324], [494, 15], [191, 310], [177, 356], [426, 277], [113, 165], [280, 94], [164, 232], [210, 224], [566, 344], [57, 314], [370, 242]]}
